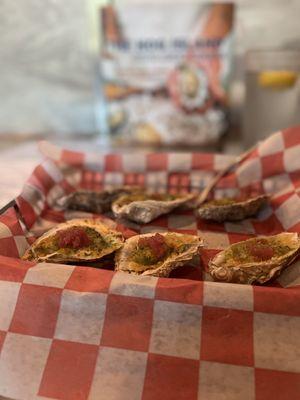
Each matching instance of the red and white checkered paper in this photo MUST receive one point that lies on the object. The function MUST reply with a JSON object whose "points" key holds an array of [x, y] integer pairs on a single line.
{"points": [[71, 332]]}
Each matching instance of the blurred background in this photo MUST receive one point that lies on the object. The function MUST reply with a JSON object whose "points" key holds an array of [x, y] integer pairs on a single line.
{"points": [[111, 75]]}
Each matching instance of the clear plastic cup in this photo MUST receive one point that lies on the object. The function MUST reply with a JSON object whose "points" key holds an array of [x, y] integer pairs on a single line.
{"points": [[272, 92]]}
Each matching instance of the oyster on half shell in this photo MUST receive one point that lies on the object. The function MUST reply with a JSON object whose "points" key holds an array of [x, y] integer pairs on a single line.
{"points": [[144, 207], [93, 201], [255, 260], [230, 209], [75, 241], [157, 254]]}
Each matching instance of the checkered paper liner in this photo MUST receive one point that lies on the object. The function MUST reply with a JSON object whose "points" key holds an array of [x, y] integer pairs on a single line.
{"points": [[71, 332]]}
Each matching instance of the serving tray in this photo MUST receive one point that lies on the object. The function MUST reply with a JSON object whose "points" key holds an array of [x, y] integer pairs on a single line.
{"points": [[72, 332]]}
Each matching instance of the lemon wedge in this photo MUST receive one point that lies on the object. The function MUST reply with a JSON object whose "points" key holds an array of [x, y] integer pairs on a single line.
{"points": [[277, 79]]}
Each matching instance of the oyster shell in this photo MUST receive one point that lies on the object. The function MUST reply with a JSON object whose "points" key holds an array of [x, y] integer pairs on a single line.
{"points": [[92, 201], [178, 249], [145, 207], [76, 240], [255, 260], [231, 210]]}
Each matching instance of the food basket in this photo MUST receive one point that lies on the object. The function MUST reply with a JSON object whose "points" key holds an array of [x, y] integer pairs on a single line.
{"points": [[75, 332]]}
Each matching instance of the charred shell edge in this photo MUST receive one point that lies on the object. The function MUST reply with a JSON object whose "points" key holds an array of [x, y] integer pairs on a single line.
{"points": [[252, 272], [233, 212]]}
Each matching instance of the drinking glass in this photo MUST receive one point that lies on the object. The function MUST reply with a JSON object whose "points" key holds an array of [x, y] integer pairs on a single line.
{"points": [[272, 92]]}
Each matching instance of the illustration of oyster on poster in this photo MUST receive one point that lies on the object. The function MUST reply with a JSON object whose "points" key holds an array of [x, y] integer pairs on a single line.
{"points": [[166, 70]]}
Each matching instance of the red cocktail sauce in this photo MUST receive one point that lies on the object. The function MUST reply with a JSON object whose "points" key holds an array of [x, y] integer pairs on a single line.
{"points": [[156, 243], [74, 238], [261, 253]]}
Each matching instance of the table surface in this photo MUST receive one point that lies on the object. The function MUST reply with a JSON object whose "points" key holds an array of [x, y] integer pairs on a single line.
{"points": [[16, 165], [17, 162]]}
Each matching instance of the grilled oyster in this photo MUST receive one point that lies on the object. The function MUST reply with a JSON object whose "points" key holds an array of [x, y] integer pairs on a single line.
{"points": [[255, 260], [157, 254], [91, 201], [145, 207], [231, 209], [76, 240]]}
